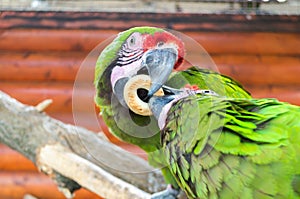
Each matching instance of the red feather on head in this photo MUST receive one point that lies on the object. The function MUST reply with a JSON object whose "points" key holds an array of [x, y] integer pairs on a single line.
{"points": [[165, 38]]}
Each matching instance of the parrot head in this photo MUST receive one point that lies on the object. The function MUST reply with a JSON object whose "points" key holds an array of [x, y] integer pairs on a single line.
{"points": [[142, 50]]}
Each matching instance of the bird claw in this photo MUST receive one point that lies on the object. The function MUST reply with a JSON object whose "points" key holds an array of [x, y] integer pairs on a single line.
{"points": [[168, 193]]}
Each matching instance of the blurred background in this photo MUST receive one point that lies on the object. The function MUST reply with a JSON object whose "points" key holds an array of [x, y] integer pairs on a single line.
{"points": [[44, 43], [169, 6]]}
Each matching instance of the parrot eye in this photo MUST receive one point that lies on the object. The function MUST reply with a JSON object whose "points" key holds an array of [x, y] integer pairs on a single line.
{"points": [[132, 41]]}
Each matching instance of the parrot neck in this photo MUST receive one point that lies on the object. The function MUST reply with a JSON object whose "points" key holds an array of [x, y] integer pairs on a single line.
{"points": [[164, 113], [162, 117], [185, 92]]}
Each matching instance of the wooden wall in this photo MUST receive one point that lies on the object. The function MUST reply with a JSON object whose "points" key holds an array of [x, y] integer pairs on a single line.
{"points": [[41, 53]]}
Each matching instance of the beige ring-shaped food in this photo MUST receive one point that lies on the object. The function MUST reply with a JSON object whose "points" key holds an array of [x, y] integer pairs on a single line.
{"points": [[131, 97]]}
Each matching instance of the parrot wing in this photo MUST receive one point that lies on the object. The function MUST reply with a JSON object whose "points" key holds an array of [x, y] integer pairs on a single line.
{"points": [[208, 79], [232, 148]]}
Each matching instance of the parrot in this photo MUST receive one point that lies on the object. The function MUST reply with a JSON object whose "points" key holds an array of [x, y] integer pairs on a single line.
{"points": [[154, 54], [222, 147]]}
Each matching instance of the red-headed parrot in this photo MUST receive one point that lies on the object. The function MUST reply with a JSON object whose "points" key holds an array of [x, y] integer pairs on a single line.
{"points": [[155, 55]]}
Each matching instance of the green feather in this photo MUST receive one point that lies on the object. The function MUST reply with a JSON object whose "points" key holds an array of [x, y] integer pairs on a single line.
{"points": [[184, 167], [239, 129], [207, 79], [209, 158], [268, 153], [237, 156], [264, 183]]}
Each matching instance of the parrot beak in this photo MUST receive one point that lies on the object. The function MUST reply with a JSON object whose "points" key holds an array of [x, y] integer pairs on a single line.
{"points": [[157, 103], [159, 63]]}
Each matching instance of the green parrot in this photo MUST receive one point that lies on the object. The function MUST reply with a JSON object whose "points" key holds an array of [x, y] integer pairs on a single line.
{"points": [[152, 53], [221, 147]]}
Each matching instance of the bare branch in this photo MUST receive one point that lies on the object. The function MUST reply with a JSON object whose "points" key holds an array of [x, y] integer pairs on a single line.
{"points": [[86, 173], [31, 133]]}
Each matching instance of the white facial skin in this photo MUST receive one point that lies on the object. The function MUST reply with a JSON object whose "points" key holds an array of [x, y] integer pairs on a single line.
{"points": [[135, 41], [131, 49]]}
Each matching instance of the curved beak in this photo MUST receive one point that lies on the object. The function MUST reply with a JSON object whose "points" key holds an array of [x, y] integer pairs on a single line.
{"points": [[159, 63], [157, 103]]}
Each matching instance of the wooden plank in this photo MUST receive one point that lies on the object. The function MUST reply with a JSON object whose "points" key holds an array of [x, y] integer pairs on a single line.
{"points": [[46, 66], [260, 70], [261, 43], [177, 21], [251, 69], [14, 185], [12, 161], [58, 67], [289, 94], [25, 40], [52, 40], [33, 93]]}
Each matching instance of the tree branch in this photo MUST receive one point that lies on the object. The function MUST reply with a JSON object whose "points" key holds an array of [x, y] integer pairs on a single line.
{"points": [[59, 150], [58, 158]]}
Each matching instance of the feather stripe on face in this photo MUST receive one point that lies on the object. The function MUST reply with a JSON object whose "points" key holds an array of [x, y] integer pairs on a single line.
{"points": [[127, 57]]}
